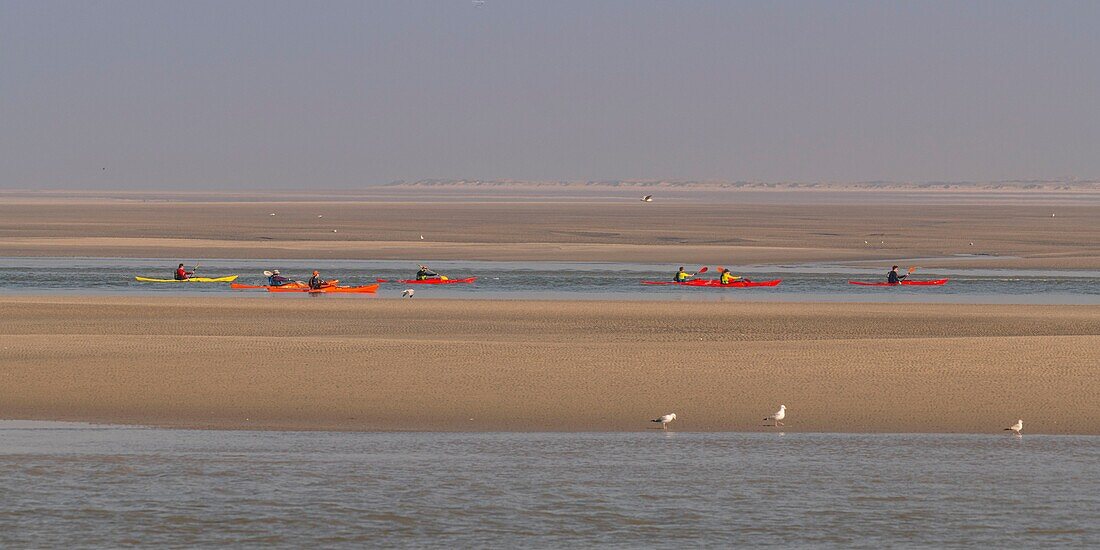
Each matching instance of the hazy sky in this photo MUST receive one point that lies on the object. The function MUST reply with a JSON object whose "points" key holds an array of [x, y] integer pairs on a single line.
{"points": [[336, 94]]}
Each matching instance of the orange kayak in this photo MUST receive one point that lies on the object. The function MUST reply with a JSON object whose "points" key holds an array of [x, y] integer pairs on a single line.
{"points": [[365, 289], [297, 285]]}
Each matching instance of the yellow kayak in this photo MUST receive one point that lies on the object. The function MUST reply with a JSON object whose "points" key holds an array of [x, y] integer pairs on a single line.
{"points": [[227, 279]]}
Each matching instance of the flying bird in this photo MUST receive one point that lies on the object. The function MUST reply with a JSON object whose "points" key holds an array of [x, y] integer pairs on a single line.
{"points": [[664, 420], [1016, 428], [647, 198], [778, 416], [408, 293]]}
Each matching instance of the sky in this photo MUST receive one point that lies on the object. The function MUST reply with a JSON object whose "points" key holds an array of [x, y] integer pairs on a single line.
{"points": [[290, 95]]}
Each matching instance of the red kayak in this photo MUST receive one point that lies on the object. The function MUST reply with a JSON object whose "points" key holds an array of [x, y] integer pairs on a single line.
{"points": [[429, 281], [935, 282], [714, 282], [365, 289]]}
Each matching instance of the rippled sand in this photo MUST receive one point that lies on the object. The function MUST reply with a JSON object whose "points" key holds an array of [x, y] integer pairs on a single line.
{"points": [[378, 364]]}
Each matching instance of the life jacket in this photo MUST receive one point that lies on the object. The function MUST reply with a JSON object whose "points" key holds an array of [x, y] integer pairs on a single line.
{"points": [[726, 278], [181, 274], [680, 277], [893, 278], [421, 275]]}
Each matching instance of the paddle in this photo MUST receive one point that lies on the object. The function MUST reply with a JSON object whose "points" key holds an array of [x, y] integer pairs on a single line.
{"points": [[910, 271]]}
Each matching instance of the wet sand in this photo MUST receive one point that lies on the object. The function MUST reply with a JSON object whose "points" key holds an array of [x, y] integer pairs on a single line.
{"points": [[724, 228], [271, 362]]}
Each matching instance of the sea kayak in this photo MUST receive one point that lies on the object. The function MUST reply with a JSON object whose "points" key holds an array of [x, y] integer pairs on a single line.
{"points": [[715, 283], [365, 289], [227, 279], [935, 282], [429, 281], [297, 285]]}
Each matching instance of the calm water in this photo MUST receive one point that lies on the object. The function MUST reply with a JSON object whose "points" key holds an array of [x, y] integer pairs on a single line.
{"points": [[72, 484], [559, 280]]}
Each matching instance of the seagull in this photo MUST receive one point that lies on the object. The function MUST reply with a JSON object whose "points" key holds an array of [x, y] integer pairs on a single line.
{"points": [[865, 242], [422, 237], [333, 230], [971, 244], [1016, 428], [664, 420], [272, 213], [647, 198], [320, 216], [779, 415], [408, 293]]}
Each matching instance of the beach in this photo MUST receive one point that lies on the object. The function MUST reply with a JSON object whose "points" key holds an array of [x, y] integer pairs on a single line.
{"points": [[1033, 230], [484, 365]]}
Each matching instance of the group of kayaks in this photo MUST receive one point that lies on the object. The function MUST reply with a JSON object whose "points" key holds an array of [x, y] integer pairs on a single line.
{"points": [[328, 287], [333, 286]]}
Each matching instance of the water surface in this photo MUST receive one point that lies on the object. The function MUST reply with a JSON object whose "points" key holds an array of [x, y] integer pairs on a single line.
{"points": [[74, 484], [559, 280]]}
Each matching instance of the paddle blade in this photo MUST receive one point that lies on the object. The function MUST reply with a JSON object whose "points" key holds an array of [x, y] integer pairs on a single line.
{"points": [[703, 269], [381, 280], [912, 269], [267, 274]]}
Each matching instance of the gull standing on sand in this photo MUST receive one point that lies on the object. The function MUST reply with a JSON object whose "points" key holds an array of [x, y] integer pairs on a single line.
{"points": [[1016, 428], [778, 416], [664, 420]]}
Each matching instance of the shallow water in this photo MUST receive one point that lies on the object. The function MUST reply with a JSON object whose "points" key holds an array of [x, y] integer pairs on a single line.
{"points": [[74, 484], [558, 280]]}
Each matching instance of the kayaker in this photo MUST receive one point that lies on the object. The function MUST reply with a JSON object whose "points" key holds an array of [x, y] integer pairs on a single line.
{"points": [[277, 280], [424, 274], [727, 277], [682, 276], [893, 278], [316, 282], [182, 274]]}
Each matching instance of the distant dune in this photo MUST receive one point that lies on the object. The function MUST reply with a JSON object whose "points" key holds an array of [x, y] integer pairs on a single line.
{"points": [[709, 185]]}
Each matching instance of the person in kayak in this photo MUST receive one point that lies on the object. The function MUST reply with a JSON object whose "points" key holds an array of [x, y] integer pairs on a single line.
{"points": [[682, 276], [727, 277], [893, 278], [424, 274], [316, 282], [276, 279], [182, 274]]}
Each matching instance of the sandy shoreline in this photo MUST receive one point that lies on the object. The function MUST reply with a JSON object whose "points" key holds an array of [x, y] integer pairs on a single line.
{"points": [[701, 228], [527, 365]]}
